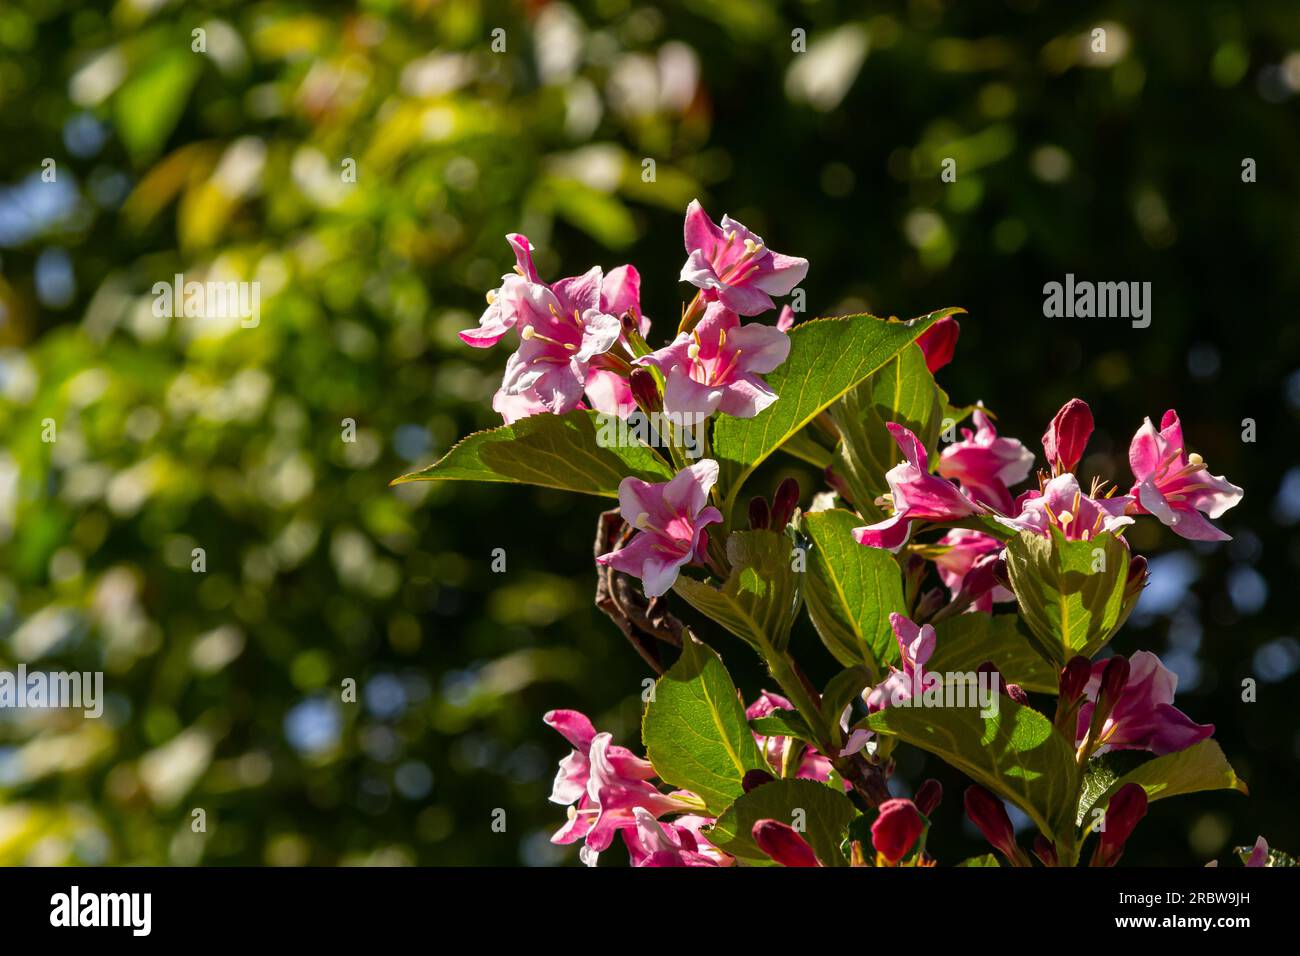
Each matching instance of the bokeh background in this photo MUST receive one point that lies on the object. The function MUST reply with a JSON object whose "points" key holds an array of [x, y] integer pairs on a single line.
{"points": [[174, 434]]}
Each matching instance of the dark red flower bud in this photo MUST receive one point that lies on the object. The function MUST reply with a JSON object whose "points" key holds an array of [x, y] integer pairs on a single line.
{"points": [[645, 390], [783, 844], [784, 502], [1074, 677], [1127, 807], [929, 796], [1044, 850], [755, 778], [1017, 693], [897, 828], [1137, 577], [1067, 436], [990, 816], [938, 343], [760, 516], [1114, 678]]}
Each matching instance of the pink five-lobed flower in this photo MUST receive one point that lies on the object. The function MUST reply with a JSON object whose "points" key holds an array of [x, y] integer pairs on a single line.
{"points": [[733, 266], [716, 366], [679, 842], [1067, 436], [1174, 486], [1064, 506], [986, 465], [916, 495], [603, 784], [968, 564], [938, 343], [1144, 717], [670, 518], [562, 330], [915, 645], [813, 765]]}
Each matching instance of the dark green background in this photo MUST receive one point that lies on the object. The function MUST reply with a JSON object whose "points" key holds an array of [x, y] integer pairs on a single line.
{"points": [[1119, 167]]}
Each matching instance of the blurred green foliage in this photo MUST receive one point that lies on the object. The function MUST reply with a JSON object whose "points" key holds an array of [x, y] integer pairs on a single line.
{"points": [[225, 685]]}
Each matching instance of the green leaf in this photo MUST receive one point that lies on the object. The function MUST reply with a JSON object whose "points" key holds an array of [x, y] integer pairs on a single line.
{"points": [[804, 447], [781, 723], [151, 102], [1201, 766], [839, 693], [826, 815], [851, 591], [578, 451], [759, 599], [964, 642], [1015, 753], [988, 859], [827, 358], [1071, 593], [695, 732]]}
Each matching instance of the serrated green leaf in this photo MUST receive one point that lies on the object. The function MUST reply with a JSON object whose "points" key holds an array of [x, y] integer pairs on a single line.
{"points": [[759, 599], [695, 732], [964, 642], [1015, 753], [781, 723], [988, 859], [826, 815], [827, 358], [1201, 766], [1071, 608], [571, 452], [851, 591]]}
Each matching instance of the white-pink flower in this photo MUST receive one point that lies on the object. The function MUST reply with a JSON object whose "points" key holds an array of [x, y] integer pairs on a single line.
{"points": [[734, 266], [670, 518]]}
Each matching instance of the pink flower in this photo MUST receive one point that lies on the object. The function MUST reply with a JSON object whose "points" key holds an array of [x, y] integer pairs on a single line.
{"points": [[812, 766], [1067, 436], [609, 392], [985, 464], [603, 784], [618, 292], [785, 320], [916, 495], [678, 843], [732, 265], [1176, 487], [562, 331], [1062, 505], [1143, 717], [670, 518], [717, 364], [915, 644], [967, 564], [938, 343]]}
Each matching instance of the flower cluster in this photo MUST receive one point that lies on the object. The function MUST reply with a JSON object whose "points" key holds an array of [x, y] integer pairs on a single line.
{"points": [[581, 338], [727, 784]]}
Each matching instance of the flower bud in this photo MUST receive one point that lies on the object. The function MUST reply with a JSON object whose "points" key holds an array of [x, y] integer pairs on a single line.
{"points": [[645, 390], [1067, 436], [928, 796], [990, 816], [784, 502], [1045, 850], [755, 778], [1127, 807], [1074, 677], [1113, 681], [896, 830], [783, 844], [1137, 578], [938, 343], [1017, 693], [760, 515]]}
